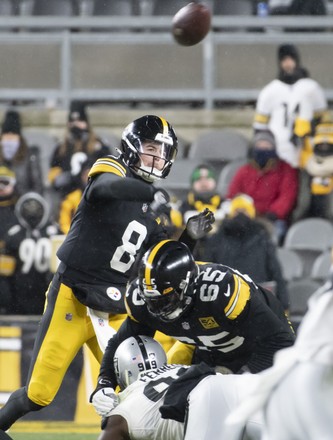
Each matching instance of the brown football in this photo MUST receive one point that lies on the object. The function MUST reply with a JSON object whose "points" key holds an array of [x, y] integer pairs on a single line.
{"points": [[191, 24]]}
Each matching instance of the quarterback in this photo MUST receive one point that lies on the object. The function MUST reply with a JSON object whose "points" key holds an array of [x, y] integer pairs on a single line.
{"points": [[117, 219]]}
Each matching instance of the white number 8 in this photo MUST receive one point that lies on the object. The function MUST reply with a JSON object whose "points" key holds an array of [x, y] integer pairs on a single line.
{"points": [[128, 249]]}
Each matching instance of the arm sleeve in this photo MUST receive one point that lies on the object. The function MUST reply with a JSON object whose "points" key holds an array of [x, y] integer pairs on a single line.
{"points": [[270, 331], [110, 186]]}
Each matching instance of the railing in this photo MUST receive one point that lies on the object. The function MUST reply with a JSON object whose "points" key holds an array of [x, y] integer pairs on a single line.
{"points": [[135, 59]]}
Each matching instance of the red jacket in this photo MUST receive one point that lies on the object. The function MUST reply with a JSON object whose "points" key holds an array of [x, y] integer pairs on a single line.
{"points": [[274, 190]]}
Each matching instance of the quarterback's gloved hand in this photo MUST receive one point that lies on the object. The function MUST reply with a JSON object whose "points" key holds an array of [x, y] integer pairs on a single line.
{"points": [[104, 398], [160, 202], [199, 225]]}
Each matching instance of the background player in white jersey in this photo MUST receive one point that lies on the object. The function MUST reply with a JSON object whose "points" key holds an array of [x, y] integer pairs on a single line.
{"points": [[296, 394], [171, 402], [289, 104]]}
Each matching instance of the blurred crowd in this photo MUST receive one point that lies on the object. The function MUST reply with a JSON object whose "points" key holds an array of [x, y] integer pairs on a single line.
{"points": [[288, 175]]}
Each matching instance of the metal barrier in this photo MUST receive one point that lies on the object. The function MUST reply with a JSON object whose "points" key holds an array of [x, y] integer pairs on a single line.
{"points": [[135, 59]]}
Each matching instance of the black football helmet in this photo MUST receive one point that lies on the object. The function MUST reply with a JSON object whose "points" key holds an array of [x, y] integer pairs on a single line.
{"points": [[149, 129], [166, 275]]}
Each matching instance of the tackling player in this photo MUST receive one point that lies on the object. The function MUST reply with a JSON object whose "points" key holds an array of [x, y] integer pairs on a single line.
{"points": [[222, 316], [114, 222]]}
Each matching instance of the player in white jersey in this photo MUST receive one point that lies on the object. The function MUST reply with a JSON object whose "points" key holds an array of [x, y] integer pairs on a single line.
{"points": [[288, 105], [296, 394], [171, 402]]}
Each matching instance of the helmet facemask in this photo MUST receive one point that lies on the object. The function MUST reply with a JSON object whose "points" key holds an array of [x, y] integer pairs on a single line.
{"points": [[171, 303], [149, 147]]}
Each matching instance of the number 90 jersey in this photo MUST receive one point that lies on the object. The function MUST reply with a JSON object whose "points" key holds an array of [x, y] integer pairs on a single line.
{"points": [[232, 322]]}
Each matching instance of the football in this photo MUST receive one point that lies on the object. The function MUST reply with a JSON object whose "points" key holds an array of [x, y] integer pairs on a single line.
{"points": [[191, 24]]}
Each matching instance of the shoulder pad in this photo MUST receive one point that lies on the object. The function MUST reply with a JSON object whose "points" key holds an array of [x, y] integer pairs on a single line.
{"points": [[108, 164]]}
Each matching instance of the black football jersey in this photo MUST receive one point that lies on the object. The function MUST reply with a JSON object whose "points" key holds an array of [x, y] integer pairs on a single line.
{"points": [[29, 282], [103, 241], [232, 321]]}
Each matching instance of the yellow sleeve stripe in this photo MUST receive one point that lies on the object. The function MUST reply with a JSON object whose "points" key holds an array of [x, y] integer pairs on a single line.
{"points": [[260, 118], [239, 298], [7, 265], [107, 165], [150, 261], [128, 311]]}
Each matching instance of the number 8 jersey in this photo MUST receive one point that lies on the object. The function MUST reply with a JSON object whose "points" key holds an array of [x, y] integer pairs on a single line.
{"points": [[99, 259]]}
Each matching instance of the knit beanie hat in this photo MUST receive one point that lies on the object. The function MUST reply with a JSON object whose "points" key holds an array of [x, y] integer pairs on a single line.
{"points": [[77, 112], [242, 202], [288, 50], [11, 123], [264, 135], [6, 172], [203, 170]]}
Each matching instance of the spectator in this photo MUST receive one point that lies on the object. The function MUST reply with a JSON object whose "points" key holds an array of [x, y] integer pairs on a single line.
{"points": [[203, 193], [80, 143], [243, 243], [15, 154], [8, 198], [271, 182], [297, 7], [28, 250], [290, 105], [320, 167], [71, 201]]}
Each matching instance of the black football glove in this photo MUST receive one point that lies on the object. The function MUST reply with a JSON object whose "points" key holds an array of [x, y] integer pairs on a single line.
{"points": [[199, 225], [160, 204]]}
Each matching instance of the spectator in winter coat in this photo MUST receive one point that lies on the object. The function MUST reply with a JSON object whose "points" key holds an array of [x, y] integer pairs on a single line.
{"points": [[17, 155], [271, 182], [243, 243]]}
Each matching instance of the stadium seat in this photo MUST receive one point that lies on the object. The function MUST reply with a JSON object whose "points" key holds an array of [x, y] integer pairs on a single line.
{"points": [[321, 266], [7, 7], [54, 7], [291, 264], [309, 238], [46, 144], [299, 293], [233, 7], [163, 7], [114, 7], [226, 174], [25, 7], [219, 146], [178, 181]]}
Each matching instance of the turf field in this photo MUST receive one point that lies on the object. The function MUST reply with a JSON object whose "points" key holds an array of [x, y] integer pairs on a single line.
{"points": [[53, 431]]}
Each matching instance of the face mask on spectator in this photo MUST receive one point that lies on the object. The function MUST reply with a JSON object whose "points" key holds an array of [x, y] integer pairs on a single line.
{"points": [[79, 134], [9, 148], [262, 157]]}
